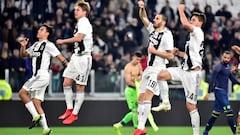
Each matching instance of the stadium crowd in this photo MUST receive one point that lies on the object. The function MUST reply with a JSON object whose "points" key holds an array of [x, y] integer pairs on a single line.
{"points": [[118, 32]]}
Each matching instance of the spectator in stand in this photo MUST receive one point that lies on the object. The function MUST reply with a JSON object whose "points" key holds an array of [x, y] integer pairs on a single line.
{"points": [[213, 37], [196, 8], [208, 63], [10, 9], [224, 12], [4, 60], [26, 30], [129, 45], [236, 27], [38, 10], [59, 18], [167, 10], [56, 71], [227, 34], [210, 17], [10, 33], [151, 7], [17, 70], [67, 29], [22, 18], [112, 44]]}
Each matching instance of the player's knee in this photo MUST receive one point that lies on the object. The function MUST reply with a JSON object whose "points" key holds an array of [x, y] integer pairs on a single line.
{"points": [[229, 113], [215, 114], [67, 82], [191, 106], [164, 75], [80, 88], [22, 92]]}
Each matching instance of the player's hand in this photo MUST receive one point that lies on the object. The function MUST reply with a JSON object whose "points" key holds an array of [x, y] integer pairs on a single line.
{"points": [[234, 68], [59, 41], [181, 7], [140, 4], [206, 97], [23, 41], [139, 78], [151, 49], [175, 51]]}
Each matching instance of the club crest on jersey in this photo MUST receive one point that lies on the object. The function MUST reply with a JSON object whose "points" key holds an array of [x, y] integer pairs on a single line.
{"points": [[76, 45]]}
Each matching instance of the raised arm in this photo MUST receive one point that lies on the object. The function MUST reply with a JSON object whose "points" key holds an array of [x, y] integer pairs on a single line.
{"points": [[236, 49], [23, 43], [186, 24], [142, 13]]}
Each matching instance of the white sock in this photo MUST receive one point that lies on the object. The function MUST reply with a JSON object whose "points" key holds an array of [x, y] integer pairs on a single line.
{"points": [[43, 121], [31, 108], [195, 119], [140, 114], [144, 110], [164, 92], [68, 97], [78, 102]]}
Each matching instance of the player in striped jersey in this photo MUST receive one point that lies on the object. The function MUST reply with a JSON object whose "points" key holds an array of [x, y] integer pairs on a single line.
{"points": [[236, 49], [80, 64], [159, 50], [190, 72], [41, 53]]}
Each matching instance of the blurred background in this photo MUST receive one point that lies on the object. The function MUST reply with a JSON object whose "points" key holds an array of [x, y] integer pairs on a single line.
{"points": [[118, 33]]}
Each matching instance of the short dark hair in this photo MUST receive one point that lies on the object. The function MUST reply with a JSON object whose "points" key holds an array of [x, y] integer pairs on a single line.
{"points": [[49, 29], [138, 54], [201, 17], [227, 52]]}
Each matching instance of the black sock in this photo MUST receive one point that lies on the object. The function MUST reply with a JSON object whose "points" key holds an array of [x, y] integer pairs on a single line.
{"points": [[231, 122], [211, 121]]}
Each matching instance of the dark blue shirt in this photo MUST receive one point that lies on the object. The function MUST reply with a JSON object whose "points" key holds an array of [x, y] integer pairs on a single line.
{"points": [[221, 74]]}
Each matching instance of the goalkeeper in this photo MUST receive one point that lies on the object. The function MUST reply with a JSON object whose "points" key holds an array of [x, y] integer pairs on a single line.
{"points": [[132, 74]]}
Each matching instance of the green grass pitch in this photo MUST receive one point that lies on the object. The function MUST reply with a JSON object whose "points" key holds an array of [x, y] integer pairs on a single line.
{"points": [[217, 130]]}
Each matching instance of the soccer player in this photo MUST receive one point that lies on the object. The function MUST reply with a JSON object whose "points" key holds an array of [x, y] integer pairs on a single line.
{"points": [[236, 49], [191, 68], [41, 53], [219, 85], [132, 73], [159, 50], [80, 64]]}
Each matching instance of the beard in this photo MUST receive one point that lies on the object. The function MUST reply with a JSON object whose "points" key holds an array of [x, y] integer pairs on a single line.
{"points": [[156, 25], [226, 62]]}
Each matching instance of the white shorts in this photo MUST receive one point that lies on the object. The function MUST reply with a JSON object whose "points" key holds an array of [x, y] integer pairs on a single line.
{"points": [[79, 68], [149, 81], [37, 85], [190, 81]]}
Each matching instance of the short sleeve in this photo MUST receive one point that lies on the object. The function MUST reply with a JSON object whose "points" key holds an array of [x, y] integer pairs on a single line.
{"points": [[52, 49], [83, 26], [150, 28]]}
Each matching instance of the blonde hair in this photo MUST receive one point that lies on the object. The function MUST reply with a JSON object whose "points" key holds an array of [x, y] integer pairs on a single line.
{"points": [[84, 5]]}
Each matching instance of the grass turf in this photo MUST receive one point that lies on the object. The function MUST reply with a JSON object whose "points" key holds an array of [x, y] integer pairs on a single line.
{"points": [[216, 130]]}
